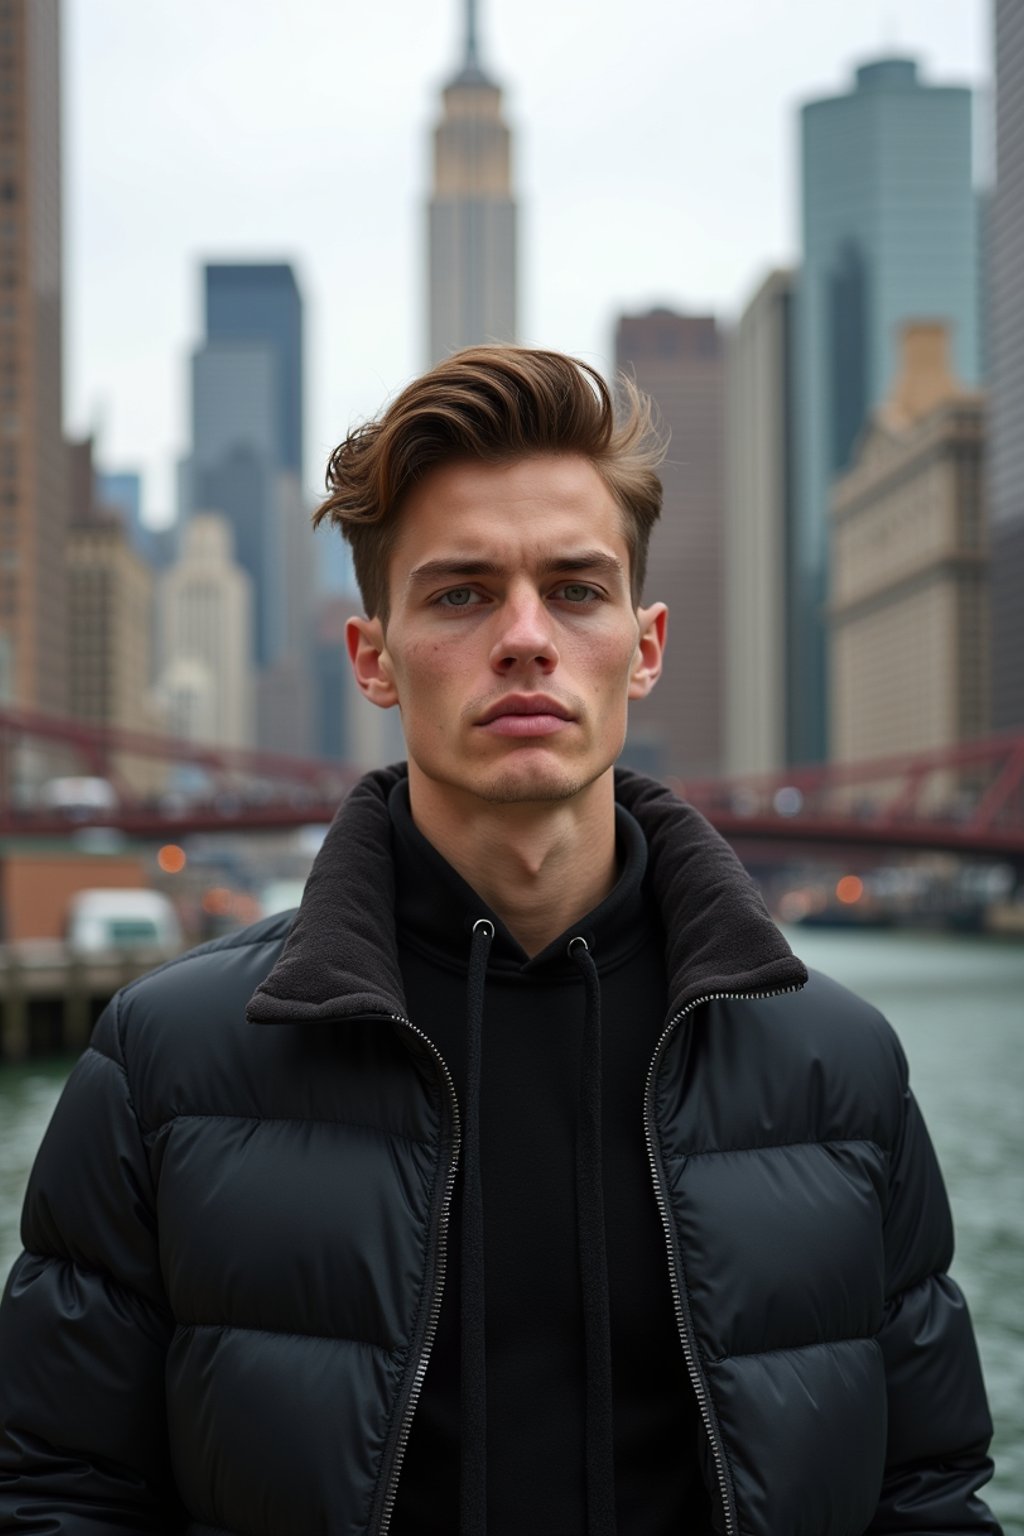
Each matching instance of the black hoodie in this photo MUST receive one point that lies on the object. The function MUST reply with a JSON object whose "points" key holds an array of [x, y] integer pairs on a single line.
{"points": [[536, 1390]]}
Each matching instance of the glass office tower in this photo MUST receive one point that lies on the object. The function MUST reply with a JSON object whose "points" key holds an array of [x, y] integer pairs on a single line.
{"points": [[259, 302], [889, 235], [247, 424]]}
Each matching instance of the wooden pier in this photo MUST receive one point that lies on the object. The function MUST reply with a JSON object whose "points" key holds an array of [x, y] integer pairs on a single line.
{"points": [[50, 996]]}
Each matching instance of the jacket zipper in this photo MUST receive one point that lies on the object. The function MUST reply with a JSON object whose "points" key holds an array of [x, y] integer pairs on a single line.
{"points": [[440, 1270], [683, 1321]]}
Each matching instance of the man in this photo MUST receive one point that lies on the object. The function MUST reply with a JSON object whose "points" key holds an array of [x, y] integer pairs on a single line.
{"points": [[525, 1183]]}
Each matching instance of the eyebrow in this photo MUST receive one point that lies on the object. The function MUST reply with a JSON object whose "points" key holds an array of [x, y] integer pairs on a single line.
{"points": [[596, 560]]}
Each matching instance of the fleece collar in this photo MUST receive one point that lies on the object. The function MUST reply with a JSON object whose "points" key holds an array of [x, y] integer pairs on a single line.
{"points": [[340, 959]]}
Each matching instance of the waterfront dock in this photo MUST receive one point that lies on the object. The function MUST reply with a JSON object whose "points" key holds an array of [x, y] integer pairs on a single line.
{"points": [[50, 996]]}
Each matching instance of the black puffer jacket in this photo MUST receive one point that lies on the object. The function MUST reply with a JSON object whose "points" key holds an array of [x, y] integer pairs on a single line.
{"points": [[235, 1231]]}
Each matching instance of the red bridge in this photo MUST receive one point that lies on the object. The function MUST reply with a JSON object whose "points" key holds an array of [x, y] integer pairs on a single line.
{"points": [[967, 800]]}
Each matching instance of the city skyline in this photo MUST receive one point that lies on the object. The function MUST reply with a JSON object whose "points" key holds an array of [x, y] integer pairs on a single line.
{"points": [[614, 171]]}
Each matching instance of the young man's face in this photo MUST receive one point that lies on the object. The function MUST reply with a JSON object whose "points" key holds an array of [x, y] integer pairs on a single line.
{"points": [[513, 646]]}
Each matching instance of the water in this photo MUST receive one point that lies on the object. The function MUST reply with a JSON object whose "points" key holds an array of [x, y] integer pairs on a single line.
{"points": [[27, 1096], [958, 1005]]}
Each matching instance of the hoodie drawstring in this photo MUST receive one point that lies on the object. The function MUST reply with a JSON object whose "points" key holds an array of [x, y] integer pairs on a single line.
{"points": [[473, 1377], [600, 1451]]}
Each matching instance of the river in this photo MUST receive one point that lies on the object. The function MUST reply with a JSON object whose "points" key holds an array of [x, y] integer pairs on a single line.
{"points": [[958, 1005]]}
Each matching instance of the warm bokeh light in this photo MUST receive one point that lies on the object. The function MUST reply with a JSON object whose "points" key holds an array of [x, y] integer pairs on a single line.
{"points": [[850, 889], [222, 901], [171, 859]]}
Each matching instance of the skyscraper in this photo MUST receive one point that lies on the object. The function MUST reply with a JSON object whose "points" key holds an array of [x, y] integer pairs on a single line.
{"points": [[260, 302], [33, 491], [759, 528], [110, 633], [1006, 481], [247, 436], [909, 587], [889, 235], [206, 639], [679, 361], [472, 214], [235, 468]]}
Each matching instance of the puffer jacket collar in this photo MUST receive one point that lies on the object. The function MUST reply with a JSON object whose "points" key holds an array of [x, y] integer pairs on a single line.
{"points": [[340, 959]]}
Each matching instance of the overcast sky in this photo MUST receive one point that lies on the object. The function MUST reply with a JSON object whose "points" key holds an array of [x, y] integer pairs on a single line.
{"points": [[655, 161]]}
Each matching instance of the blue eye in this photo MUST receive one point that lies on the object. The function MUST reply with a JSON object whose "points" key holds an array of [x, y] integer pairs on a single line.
{"points": [[458, 597]]}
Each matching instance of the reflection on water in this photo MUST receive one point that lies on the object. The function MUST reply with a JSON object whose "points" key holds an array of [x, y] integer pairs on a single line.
{"points": [[957, 1006]]}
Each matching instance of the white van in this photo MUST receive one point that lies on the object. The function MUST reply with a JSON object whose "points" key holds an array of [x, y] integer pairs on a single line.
{"points": [[99, 921]]}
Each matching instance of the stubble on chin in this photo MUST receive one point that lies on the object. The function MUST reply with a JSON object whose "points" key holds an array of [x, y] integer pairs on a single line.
{"points": [[514, 786]]}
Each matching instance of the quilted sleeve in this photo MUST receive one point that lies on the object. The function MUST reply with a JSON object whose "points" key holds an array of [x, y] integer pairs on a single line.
{"points": [[84, 1324], [939, 1425]]}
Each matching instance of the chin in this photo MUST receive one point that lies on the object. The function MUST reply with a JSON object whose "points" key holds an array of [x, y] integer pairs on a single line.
{"points": [[513, 790], [522, 782]]}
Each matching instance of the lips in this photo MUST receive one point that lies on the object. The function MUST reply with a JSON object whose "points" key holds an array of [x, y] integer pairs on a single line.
{"points": [[525, 704]]}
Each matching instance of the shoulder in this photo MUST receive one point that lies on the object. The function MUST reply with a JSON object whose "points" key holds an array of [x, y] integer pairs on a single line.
{"points": [[820, 1061], [824, 1020], [188, 1015], [211, 974]]}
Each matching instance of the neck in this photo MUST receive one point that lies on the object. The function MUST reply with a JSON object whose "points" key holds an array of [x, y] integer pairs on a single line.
{"points": [[539, 865]]}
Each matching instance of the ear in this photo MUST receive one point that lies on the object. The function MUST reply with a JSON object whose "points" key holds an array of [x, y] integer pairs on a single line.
{"points": [[650, 649], [371, 664]]}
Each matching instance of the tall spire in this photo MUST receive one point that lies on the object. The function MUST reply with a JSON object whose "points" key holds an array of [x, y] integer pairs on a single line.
{"points": [[472, 55], [472, 216], [471, 72]]}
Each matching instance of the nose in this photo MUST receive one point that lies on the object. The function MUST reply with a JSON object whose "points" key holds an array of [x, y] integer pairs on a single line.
{"points": [[525, 634]]}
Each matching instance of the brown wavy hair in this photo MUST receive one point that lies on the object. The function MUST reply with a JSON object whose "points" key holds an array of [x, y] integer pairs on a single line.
{"points": [[495, 403]]}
